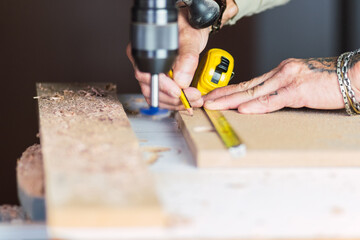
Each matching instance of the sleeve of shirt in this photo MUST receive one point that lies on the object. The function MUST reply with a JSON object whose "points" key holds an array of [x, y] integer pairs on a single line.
{"points": [[250, 7]]}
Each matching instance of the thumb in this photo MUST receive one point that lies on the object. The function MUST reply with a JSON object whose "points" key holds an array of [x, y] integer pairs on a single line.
{"points": [[185, 67], [191, 43]]}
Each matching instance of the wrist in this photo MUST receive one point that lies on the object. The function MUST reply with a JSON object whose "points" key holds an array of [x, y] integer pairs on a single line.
{"points": [[230, 11]]}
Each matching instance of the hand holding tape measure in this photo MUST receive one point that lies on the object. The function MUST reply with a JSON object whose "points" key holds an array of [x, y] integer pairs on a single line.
{"points": [[216, 70]]}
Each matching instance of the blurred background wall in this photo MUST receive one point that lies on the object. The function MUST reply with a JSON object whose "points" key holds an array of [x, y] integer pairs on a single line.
{"points": [[85, 40], [304, 29]]}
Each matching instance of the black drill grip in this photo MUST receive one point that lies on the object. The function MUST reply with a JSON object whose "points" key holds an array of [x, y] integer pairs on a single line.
{"points": [[202, 13]]}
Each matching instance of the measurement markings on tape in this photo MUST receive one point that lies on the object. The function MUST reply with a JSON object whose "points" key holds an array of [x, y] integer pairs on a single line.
{"points": [[227, 134]]}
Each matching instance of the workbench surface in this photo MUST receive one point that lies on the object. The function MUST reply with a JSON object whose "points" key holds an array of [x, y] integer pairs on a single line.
{"points": [[287, 203]]}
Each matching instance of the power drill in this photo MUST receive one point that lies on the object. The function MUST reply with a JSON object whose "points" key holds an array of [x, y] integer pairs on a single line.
{"points": [[154, 34], [154, 39]]}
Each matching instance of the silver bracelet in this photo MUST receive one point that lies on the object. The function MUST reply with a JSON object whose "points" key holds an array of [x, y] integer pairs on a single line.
{"points": [[347, 60], [339, 72]]}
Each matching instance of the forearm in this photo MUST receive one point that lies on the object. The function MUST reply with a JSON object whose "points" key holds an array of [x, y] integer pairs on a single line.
{"points": [[250, 7]]}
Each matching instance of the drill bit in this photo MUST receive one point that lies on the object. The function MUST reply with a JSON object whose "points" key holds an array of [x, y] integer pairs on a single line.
{"points": [[154, 91]]}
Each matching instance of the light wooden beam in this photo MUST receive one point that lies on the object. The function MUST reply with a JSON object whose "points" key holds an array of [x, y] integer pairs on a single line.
{"points": [[95, 175]]}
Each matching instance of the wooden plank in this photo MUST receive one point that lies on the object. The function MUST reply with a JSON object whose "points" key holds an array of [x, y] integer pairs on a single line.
{"points": [[287, 138], [95, 175]]}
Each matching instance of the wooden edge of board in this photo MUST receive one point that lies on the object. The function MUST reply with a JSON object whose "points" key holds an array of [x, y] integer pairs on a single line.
{"points": [[94, 120], [220, 157]]}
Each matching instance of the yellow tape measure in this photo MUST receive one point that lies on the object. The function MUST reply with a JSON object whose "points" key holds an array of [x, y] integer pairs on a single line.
{"points": [[216, 70]]}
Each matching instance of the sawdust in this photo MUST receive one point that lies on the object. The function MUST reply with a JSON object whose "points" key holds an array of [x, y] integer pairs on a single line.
{"points": [[92, 155], [12, 214], [91, 102], [336, 210], [175, 220], [90, 91], [152, 154], [30, 171], [139, 100]]}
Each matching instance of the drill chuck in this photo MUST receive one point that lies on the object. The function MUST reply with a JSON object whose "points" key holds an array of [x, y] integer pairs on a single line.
{"points": [[154, 35]]}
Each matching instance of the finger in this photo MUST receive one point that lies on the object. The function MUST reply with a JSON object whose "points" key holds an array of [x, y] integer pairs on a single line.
{"points": [[177, 107], [231, 101], [168, 106], [197, 103], [166, 84], [169, 86], [192, 94], [185, 67], [268, 103], [163, 97], [191, 43], [243, 86]]}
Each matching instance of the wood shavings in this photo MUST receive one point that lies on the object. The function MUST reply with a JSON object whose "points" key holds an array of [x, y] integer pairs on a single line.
{"points": [[151, 154], [56, 96], [336, 210], [92, 159], [68, 92], [110, 87], [93, 91], [175, 220]]}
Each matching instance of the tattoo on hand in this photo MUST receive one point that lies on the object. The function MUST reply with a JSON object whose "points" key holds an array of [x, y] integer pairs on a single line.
{"points": [[274, 93], [322, 64]]}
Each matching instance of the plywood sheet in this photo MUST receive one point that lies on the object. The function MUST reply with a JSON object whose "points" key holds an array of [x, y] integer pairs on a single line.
{"points": [[290, 137], [95, 176]]}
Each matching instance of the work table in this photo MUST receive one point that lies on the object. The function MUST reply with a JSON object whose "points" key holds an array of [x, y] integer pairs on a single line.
{"points": [[232, 203]]}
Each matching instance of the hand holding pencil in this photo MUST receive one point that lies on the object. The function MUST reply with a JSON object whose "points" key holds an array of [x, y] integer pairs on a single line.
{"points": [[183, 98]]}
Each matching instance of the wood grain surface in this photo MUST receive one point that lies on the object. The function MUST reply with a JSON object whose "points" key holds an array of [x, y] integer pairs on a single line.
{"points": [[286, 138], [95, 175]]}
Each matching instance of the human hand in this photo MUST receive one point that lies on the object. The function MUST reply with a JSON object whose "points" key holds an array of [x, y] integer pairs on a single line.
{"points": [[191, 43], [295, 83]]}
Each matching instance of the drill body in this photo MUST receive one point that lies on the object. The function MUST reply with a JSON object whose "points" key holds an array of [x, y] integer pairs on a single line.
{"points": [[154, 34], [154, 39]]}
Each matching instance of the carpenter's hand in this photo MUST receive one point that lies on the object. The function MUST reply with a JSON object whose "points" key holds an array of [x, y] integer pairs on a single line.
{"points": [[294, 83], [191, 43]]}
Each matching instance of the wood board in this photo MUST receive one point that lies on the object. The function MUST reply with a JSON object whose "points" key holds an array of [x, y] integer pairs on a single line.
{"points": [[95, 175], [286, 138]]}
